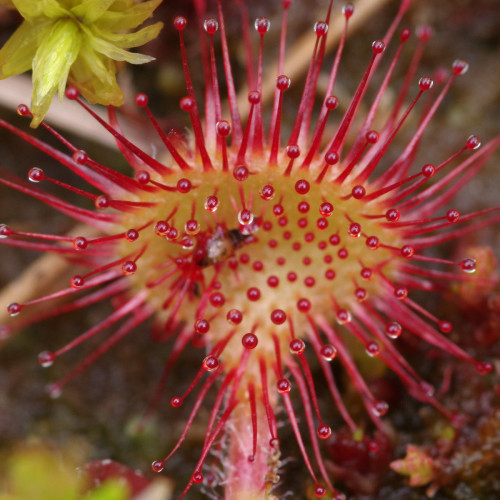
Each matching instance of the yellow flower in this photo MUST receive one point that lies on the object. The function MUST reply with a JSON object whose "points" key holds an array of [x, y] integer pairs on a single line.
{"points": [[79, 40]]}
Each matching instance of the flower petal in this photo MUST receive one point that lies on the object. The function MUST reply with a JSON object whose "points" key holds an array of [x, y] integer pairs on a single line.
{"points": [[127, 19], [114, 52], [29, 9], [94, 76], [127, 40], [17, 54], [91, 10], [53, 9], [51, 65]]}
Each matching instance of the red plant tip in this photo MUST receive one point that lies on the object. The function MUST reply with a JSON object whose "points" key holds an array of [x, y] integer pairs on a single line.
{"points": [[254, 97], [72, 93], [223, 128], [80, 157], [380, 408], [425, 83], [392, 215], [378, 47], [321, 28], [240, 173], [319, 491], [14, 308], [283, 385], [262, 25], [393, 330], [297, 347], [211, 26], [484, 367], [46, 359], [331, 158], [180, 23], [358, 192], [197, 477], [36, 175], [141, 100], [278, 316], [5, 231], [460, 67], [249, 341], [283, 83], [210, 363], [302, 186], [23, 110], [405, 35], [348, 10], [445, 326], [186, 104], [158, 466], [468, 265], [473, 142], [77, 281], [176, 401], [328, 352], [324, 431]]}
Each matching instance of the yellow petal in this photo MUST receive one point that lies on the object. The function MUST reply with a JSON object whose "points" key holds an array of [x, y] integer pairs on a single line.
{"points": [[51, 65], [126, 19], [114, 52], [29, 9], [94, 76], [17, 54], [128, 40], [53, 9], [91, 10]]}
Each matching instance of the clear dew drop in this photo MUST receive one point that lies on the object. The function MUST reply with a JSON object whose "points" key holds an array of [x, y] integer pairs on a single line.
{"points": [[46, 359], [328, 352], [468, 265], [211, 204], [3, 234], [380, 408], [393, 330], [245, 217]]}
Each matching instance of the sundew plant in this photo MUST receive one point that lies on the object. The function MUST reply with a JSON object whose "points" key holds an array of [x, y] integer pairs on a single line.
{"points": [[293, 240]]}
